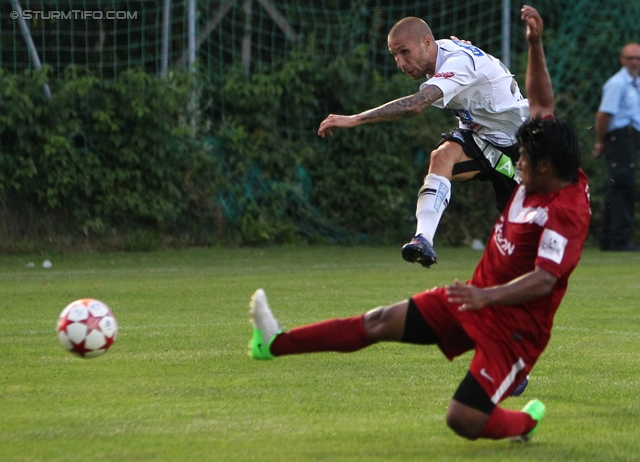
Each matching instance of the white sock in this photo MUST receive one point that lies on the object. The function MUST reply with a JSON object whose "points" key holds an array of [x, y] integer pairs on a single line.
{"points": [[433, 198]]}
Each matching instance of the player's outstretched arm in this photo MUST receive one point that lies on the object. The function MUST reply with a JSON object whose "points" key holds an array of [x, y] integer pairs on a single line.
{"points": [[396, 109], [538, 83]]}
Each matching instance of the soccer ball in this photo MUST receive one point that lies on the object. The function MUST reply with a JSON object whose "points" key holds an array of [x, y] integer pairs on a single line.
{"points": [[87, 328]]}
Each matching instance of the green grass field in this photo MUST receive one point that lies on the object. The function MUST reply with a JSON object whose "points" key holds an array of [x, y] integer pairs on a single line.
{"points": [[178, 385]]}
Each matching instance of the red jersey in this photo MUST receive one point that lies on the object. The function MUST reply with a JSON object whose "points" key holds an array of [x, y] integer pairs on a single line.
{"points": [[543, 230]]}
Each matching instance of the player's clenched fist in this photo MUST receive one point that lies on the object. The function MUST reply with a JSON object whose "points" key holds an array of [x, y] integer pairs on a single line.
{"points": [[534, 23]]}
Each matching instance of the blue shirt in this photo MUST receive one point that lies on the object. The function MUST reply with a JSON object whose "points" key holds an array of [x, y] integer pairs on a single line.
{"points": [[621, 99]]}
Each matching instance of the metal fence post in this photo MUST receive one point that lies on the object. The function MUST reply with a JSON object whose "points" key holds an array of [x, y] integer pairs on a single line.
{"points": [[33, 53], [166, 20], [506, 33]]}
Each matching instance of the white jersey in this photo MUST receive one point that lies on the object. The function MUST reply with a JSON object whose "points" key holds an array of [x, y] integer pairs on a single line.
{"points": [[480, 91]]}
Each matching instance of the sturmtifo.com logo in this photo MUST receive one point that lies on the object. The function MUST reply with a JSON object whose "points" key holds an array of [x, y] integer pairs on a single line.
{"points": [[74, 14]]}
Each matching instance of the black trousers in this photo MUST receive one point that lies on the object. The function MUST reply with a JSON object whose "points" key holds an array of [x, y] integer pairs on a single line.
{"points": [[621, 156]]}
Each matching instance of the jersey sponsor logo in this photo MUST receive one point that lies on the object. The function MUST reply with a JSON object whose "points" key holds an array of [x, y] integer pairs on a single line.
{"points": [[444, 75], [504, 246], [506, 167], [552, 245]]}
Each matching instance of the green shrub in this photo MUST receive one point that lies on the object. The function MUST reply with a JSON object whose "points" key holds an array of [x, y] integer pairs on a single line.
{"points": [[112, 154], [132, 161]]}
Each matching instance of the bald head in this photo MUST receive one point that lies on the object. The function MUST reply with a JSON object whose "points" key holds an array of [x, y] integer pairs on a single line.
{"points": [[411, 28], [630, 58], [630, 48]]}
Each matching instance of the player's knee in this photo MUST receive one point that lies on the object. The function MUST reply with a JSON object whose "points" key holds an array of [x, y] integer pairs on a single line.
{"points": [[464, 425], [373, 321], [439, 156], [386, 323], [441, 162], [376, 323]]}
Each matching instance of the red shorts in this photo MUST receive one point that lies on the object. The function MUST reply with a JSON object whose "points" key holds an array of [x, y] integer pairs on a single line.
{"points": [[499, 364]]}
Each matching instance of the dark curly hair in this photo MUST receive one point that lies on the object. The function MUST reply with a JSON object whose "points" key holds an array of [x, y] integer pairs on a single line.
{"points": [[554, 140]]}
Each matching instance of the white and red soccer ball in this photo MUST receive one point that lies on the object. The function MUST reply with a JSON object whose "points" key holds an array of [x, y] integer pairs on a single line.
{"points": [[87, 328]]}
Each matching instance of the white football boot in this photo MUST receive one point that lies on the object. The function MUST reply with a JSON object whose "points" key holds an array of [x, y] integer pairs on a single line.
{"points": [[265, 326]]}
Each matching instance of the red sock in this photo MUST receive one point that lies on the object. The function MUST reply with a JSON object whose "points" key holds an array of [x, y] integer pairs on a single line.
{"points": [[503, 423], [344, 335]]}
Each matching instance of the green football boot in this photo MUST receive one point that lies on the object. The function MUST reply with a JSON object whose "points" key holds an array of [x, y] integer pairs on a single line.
{"points": [[536, 409]]}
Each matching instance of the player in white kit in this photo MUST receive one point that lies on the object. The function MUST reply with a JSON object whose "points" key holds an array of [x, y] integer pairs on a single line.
{"points": [[481, 93]]}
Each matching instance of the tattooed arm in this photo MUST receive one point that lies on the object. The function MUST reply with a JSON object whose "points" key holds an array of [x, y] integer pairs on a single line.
{"points": [[402, 107], [397, 109]]}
